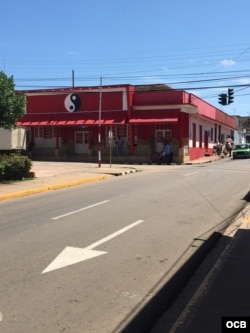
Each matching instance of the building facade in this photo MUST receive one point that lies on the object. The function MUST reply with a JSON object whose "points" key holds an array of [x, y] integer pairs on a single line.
{"points": [[129, 122], [242, 133]]}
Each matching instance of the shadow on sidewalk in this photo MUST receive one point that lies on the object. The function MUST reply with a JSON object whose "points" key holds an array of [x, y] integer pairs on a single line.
{"points": [[163, 300]]}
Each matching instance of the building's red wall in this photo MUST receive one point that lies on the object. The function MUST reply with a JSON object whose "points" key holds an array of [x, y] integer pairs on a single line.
{"points": [[158, 97], [195, 153], [45, 103], [184, 119], [209, 111], [54, 103]]}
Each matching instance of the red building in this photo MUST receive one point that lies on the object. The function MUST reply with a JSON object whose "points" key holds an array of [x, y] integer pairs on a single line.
{"points": [[132, 121]]}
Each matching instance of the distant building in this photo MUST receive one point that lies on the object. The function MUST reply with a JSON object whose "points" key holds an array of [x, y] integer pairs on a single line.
{"points": [[242, 131], [13, 141], [65, 123]]}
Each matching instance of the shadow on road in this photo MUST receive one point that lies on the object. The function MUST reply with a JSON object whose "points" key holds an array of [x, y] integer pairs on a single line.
{"points": [[147, 318]]}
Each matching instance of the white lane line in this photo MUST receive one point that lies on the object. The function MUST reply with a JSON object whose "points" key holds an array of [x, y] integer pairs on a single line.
{"points": [[1, 316], [79, 210], [190, 174], [115, 234]]}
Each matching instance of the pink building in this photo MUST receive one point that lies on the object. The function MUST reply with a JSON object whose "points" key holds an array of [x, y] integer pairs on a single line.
{"points": [[133, 122]]}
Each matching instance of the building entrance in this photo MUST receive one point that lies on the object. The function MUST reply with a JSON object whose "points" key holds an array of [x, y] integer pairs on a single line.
{"points": [[81, 142], [162, 136]]}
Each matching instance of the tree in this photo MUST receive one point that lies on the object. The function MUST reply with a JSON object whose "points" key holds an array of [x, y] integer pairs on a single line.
{"points": [[12, 103]]}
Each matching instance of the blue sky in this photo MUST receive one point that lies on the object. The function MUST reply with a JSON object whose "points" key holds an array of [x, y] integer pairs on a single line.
{"points": [[200, 46]]}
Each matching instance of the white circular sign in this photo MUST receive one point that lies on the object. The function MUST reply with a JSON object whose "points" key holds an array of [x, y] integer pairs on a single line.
{"points": [[72, 102]]}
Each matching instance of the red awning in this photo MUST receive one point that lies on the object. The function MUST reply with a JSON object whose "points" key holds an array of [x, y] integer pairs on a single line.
{"points": [[154, 116], [152, 120], [73, 119]]}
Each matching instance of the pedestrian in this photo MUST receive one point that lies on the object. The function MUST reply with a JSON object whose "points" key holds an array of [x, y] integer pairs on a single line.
{"points": [[218, 147], [168, 152], [228, 147], [119, 143]]}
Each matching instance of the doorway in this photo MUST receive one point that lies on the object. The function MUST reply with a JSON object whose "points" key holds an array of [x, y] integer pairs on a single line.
{"points": [[162, 136], [81, 142]]}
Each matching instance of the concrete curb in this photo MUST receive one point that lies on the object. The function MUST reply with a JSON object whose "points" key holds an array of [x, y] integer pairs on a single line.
{"points": [[51, 187], [125, 172]]}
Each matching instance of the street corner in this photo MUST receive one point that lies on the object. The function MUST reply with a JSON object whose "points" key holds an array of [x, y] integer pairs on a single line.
{"points": [[117, 171], [126, 172]]}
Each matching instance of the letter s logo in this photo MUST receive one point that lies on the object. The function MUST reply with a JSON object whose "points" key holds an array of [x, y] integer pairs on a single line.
{"points": [[72, 102]]}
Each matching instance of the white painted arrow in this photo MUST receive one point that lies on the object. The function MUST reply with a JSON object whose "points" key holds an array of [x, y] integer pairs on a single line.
{"points": [[73, 255]]}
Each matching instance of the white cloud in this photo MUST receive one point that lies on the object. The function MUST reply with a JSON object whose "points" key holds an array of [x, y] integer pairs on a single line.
{"points": [[227, 62]]}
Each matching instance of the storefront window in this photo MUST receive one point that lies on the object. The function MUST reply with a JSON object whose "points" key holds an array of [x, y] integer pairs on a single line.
{"points": [[78, 137], [47, 132], [122, 131], [36, 132]]}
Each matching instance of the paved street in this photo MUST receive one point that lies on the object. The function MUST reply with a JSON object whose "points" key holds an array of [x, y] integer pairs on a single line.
{"points": [[54, 175], [91, 231]]}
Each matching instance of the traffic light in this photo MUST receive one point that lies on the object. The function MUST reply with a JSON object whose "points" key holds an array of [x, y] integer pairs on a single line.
{"points": [[230, 95], [223, 99]]}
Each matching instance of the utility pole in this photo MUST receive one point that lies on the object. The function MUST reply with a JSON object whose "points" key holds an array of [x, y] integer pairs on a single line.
{"points": [[73, 79], [100, 118]]}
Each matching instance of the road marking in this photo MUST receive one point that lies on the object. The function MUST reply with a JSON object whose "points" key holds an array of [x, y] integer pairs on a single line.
{"points": [[190, 174], [1, 316], [73, 255], [79, 210]]}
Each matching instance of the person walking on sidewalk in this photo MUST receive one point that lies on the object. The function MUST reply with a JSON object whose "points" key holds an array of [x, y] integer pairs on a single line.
{"points": [[218, 148], [228, 148]]}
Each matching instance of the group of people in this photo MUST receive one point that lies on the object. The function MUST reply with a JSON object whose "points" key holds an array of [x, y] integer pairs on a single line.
{"points": [[226, 149]]}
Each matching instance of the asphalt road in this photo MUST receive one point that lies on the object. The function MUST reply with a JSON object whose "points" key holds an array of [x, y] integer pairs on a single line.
{"points": [[91, 258]]}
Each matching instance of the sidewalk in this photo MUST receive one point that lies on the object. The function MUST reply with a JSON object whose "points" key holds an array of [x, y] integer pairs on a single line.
{"points": [[57, 175]]}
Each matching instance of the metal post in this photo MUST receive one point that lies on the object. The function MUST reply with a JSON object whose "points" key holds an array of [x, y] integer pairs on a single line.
{"points": [[110, 145], [100, 117], [73, 79]]}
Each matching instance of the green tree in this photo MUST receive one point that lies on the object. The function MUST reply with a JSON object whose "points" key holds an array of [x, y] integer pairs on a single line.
{"points": [[12, 103]]}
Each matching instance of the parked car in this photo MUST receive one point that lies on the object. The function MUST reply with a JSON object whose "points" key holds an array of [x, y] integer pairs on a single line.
{"points": [[242, 151]]}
